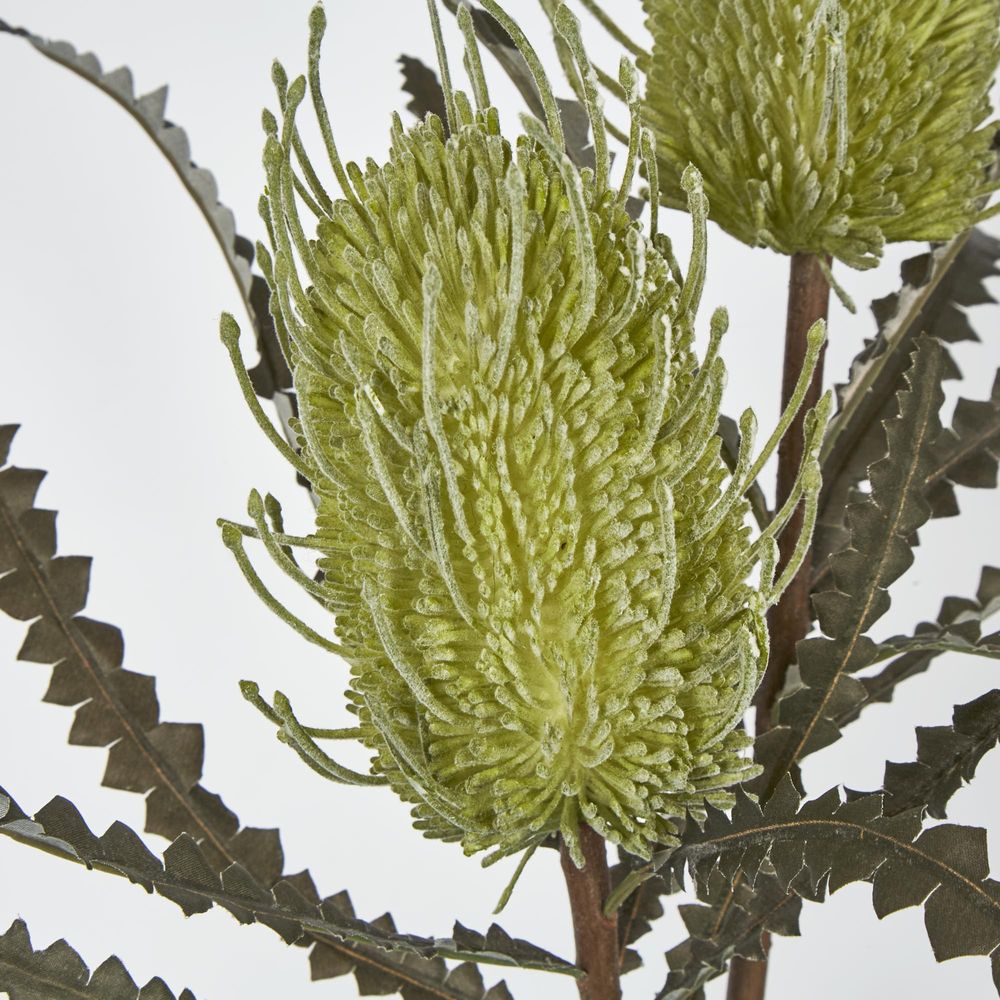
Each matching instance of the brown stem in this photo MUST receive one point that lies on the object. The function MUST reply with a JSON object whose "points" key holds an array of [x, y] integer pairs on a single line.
{"points": [[596, 935], [789, 620]]}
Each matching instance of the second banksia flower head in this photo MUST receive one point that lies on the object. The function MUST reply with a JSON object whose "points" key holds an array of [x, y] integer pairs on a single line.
{"points": [[535, 559], [826, 126]]}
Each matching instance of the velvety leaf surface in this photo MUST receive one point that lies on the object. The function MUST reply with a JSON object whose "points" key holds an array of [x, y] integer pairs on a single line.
{"points": [[58, 973]]}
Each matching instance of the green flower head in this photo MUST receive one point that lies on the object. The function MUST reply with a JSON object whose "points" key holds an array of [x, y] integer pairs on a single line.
{"points": [[533, 555], [826, 126]]}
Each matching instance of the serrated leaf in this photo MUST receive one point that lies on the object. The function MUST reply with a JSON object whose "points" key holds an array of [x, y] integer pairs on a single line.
{"points": [[162, 759], [271, 377], [640, 909], [186, 877], [959, 616], [947, 758], [967, 453], [882, 531], [420, 82], [735, 921], [936, 287], [58, 973], [945, 869]]}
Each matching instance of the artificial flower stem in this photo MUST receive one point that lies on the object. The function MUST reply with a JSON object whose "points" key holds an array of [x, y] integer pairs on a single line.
{"points": [[789, 620], [596, 935]]}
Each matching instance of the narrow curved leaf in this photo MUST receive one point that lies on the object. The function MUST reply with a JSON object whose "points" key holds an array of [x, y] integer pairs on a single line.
{"points": [[271, 377], [186, 877], [947, 758], [883, 529], [58, 973], [119, 708], [936, 288], [958, 615]]}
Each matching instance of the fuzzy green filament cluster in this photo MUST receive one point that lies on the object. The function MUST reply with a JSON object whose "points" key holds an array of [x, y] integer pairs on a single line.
{"points": [[534, 559], [826, 126]]}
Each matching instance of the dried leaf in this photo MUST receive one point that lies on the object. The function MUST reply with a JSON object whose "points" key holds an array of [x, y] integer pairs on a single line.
{"points": [[58, 973], [186, 877], [162, 759]]}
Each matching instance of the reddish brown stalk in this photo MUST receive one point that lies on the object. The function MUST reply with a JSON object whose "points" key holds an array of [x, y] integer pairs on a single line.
{"points": [[789, 619], [596, 935]]}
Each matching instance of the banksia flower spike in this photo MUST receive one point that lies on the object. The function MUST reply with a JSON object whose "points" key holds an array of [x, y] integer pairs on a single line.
{"points": [[532, 553], [826, 126]]}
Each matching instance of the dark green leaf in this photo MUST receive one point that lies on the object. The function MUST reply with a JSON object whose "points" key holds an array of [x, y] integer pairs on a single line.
{"points": [[58, 973], [967, 453], [936, 287], [186, 877], [424, 88], [163, 759], [958, 616], [947, 758], [732, 924], [882, 531], [944, 868]]}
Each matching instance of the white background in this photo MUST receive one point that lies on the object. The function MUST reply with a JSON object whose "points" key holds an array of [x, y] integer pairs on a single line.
{"points": [[111, 288]]}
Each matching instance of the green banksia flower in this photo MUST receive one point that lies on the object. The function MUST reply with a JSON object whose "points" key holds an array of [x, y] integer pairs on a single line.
{"points": [[535, 556], [826, 126]]}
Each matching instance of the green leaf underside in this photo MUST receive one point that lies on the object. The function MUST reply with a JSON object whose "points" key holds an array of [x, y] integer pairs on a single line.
{"points": [[58, 973], [882, 529], [937, 287], [119, 707], [271, 377], [186, 877]]}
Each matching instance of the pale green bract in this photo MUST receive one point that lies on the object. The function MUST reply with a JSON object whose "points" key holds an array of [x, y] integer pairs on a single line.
{"points": [[826, 126], [535, 557]]}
